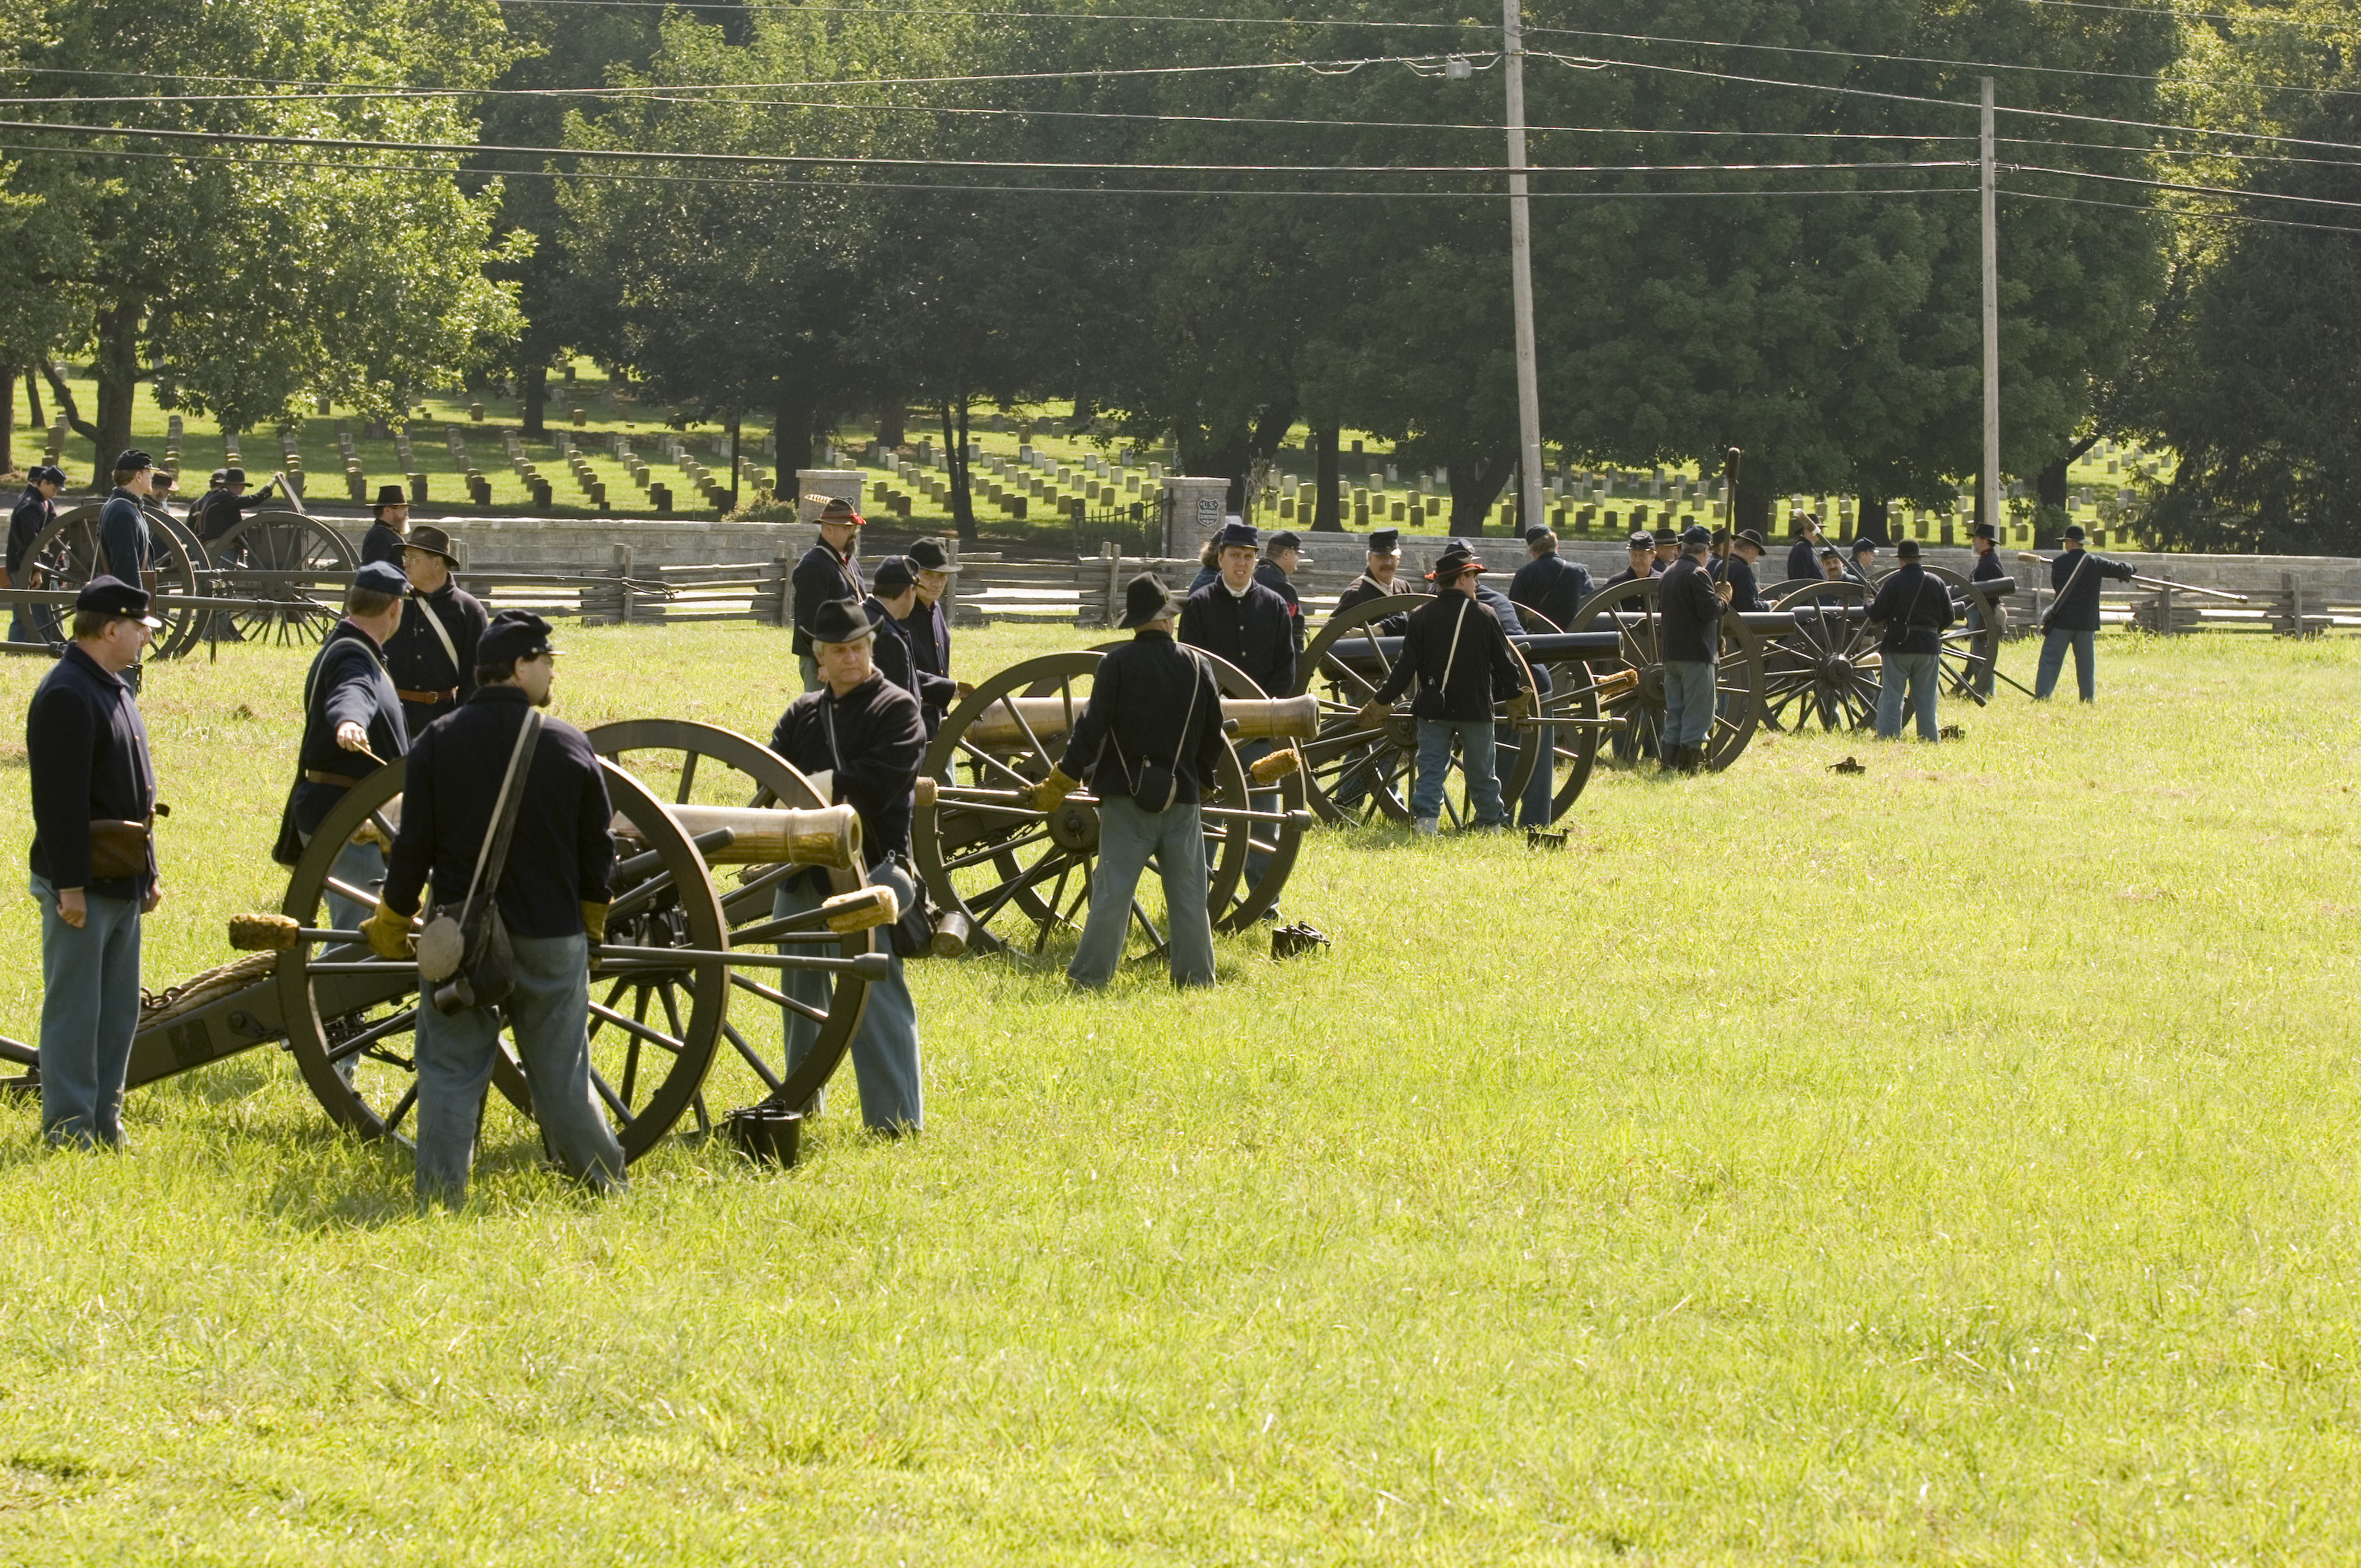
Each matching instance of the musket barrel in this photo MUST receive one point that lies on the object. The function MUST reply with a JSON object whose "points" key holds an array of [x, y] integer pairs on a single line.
{"points": [[767, 836]]}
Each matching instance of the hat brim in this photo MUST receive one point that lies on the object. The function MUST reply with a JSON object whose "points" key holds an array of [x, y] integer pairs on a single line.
{"points": [[1172, 606], [148, 621], [1460, 570], [448, 559]]}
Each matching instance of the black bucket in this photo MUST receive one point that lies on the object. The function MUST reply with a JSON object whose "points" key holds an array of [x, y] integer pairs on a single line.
{"points": [[766, 1134]]}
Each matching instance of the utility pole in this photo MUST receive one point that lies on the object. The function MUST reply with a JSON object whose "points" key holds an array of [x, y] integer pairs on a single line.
{"points": [[1991, 505], [1521, 270]]}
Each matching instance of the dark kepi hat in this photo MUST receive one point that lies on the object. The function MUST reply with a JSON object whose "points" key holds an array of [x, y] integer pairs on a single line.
{"points": [[1984, 531], [1536, 533], [1145, 599], [432, 540], [116, 599], [220, 477], [1694, 534], [513, 634], [840, 620], [390, 496], [1640, 539], [1287, 539], [232, 474], [2073, 531], [893, 576], [1384, 541], [134, 458], [1749, 536], [1829, 552], [1907, 549], [1865, 546], [1457, 561], [1720, 535], [49, 472], [928, 555], [1239, 535], [381, 577]]}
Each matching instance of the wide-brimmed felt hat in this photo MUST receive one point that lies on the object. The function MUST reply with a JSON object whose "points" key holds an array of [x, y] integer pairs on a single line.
{"points": [[1907, 548], [220, 476], [1384, 541], [928, 555], [513, 634], [381, 577], [389, 496], [1749, 536], [1457, 561], [134, 458], [1984, 531], [116, 599], [432, 540], [840, 621], [1239, 536], [837, 509], [232, 474], [1145, 599], [892, 575]]}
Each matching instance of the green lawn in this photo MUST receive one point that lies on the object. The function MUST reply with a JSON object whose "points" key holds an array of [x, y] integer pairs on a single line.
{"points": [[1950, 1162]]}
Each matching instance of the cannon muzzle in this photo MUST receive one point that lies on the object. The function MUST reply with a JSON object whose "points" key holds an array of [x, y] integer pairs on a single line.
{"points": [[765, 836]]}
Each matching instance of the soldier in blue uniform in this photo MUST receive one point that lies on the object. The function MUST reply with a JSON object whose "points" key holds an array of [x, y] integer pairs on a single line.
{"points": [[553, 895], [1804, 555], [224, 505], [1863, 569], [861, 740], [827, 572], [352, 726], [1455, 652], [35, 510], [386, 536], [1913, 609], [1639, 551], [86, 751], [890, 606], [1549, 583], [123, 522], [1984, 541], [1280, 560], [929, 625], [1689, 604], [2073, 618], [1237, 619], [1746, 547], [432, 655]]}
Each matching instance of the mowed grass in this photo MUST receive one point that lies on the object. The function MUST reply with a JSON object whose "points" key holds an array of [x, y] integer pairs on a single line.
{"points": [[1950, 1162]]}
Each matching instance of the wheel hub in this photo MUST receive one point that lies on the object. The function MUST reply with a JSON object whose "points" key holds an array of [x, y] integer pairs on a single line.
{"points": [[1074, 827], [1651, 686]]}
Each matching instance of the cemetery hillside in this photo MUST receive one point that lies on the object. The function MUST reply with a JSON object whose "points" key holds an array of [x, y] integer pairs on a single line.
{"points": [[1211, 783]]}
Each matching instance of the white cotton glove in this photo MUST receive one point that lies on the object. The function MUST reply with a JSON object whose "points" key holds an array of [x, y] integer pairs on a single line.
{"points": [[824, 783]]}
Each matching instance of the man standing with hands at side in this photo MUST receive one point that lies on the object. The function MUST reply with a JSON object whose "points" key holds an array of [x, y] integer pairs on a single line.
{"points": [[1150, 743], [1913, 609], [35, 510], [432, 654], [1689, 603], [1455, 650], [387, 535], [827, 571], [93, 866], [929, 624], [555, 887]]}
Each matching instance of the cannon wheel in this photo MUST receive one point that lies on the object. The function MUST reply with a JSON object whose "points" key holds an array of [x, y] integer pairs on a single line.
{"points": [[1257, 896], [343, 1005], [66, 556], [283, 543], [1358, 774], [1629, 609], [687, 763], [1969, 651], [1823, 670], [1573, 696], [1016, 874]]}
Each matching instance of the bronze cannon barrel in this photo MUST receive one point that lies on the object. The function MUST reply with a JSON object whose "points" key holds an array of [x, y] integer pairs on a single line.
{"points": [[997, 727], [764, 835]]}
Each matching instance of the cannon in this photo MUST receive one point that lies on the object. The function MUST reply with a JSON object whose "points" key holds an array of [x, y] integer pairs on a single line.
{"points": [[679, 943], [1006, 875], [1820, 660], [276, 563]]}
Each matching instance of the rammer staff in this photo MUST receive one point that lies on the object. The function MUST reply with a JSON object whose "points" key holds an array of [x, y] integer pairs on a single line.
{"points": [[2032, 559]]}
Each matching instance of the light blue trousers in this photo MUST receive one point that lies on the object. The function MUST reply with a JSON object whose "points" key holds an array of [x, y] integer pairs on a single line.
{"points": [[1128, 839], [1920, 673], [808, 668], [90, 1010], [1688, 703], [548, 1014], [884, 1047], [2054, 643], [1476, 759]]}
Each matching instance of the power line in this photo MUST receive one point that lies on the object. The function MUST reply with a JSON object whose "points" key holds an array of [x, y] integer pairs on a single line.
{"points": [[2187, 16], [1021, 16], [2200, 189], [2159, 213]]}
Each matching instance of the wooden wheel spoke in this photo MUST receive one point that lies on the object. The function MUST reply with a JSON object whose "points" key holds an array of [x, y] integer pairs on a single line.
{"points": [[614, 1101], [753, 1057], [778, 998], [394, 1119], [638, 1030], [377, 1031]]}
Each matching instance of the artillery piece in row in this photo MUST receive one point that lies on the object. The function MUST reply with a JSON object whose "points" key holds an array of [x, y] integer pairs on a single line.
{"points": [[692, 802]]}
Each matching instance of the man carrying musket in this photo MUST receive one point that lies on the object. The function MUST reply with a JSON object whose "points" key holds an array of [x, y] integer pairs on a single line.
{"points": [[827, 573], [1689, 605], [1457, 652], [1913, 609], [1150, 743], [352, 727], [551, 896], [860, 740], [93, 867]]}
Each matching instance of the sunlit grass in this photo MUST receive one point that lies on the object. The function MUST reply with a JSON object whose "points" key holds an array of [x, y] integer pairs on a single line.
{"points": [[1951, 1161]]}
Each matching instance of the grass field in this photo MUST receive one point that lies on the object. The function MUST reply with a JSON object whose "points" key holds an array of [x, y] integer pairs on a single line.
{"points": [[1952, 1162]]}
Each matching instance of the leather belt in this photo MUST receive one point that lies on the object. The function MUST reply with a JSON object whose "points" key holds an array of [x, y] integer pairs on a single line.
{"points": [[314, 775], [427, 698]]}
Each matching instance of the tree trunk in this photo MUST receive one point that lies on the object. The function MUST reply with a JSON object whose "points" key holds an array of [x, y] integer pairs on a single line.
{"points": [[536, 401], [2050, 484], [1871, 524], [1750, 508], [1225, 458], [1476, 484], [118, 382], [890, 421], [792, 417], [7, 419], [33, 401], [955, 455], [1327, 515]]}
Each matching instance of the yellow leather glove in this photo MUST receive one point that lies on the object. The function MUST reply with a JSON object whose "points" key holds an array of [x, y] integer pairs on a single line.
{"points": [[594, 922], [1052, 792], [388, 932], [1521, 705], [1372, 715]]}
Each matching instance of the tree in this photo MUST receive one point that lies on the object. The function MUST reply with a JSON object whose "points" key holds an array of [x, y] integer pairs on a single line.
{"points": [[253, 279]]}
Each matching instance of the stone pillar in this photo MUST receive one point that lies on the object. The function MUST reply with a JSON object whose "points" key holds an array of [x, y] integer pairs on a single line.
{"points": [[1192, 510], [844, 482]]}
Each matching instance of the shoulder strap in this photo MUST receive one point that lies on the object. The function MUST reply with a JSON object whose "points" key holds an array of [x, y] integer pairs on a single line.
{"points": [[493, 858], [442, 635], [1452, 653]]}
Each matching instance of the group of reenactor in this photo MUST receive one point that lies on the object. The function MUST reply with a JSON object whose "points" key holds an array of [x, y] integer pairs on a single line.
{"points": [[416, 670]]}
